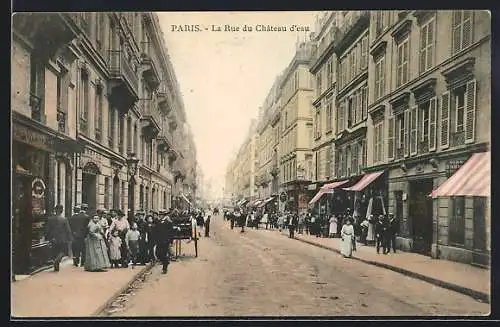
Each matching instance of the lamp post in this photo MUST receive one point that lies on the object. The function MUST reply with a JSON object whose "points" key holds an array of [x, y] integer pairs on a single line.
{"points": [[132, 162]]}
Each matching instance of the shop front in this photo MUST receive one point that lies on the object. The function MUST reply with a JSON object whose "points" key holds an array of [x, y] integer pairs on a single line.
{"points": [[41, 179], [463, 201]]}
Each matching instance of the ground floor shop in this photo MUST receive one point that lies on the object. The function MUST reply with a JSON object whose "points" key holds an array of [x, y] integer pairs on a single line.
{"points": [[42, 170], [294, 197], [446, 227]]}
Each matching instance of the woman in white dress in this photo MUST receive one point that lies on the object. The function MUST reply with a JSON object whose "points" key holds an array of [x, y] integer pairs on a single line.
{"points": [[333, 226], [347, 234]]}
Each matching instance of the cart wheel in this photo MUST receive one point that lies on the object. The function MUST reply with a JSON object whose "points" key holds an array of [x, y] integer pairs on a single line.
{"points": [[196, 247]]}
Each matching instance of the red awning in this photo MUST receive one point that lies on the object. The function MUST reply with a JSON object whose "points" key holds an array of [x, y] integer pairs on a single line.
{"points": [[327, 188], [364, 181], [472, 179]]}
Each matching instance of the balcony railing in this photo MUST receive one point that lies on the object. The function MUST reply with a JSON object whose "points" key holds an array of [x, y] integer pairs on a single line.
{"points": [[36, 107], [150, 116], [61, 121], [151, 73], [125, 89], [423, 146], [458, 138]]}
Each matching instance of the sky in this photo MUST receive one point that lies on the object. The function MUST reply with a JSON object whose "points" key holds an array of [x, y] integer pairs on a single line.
{"points": [[225, 76]]}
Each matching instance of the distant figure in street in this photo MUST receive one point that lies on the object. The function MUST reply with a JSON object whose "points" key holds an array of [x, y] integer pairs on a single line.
{"points": [[115, 243], [332, 232], [347, 234], [132, 239], [208, 216], [381, 234], [364, 231], [292, 225], [78, 223], [392, 232], [59, 234], [149, 239], [96, 252]]}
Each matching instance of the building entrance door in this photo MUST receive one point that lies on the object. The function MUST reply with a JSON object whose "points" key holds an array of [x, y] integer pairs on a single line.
{"points": [[421, 215], [21, 223], [480, 254], [89, 194]]}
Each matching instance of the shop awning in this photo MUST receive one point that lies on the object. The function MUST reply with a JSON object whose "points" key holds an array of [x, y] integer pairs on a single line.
{"points": [[186, 199], [241, 202], [253, 203], [472, 179], [364, 181], [266, 201], [327, 188]]}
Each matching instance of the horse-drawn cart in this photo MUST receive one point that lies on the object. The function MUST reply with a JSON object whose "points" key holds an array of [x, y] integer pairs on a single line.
{"points": [[184, 229]]}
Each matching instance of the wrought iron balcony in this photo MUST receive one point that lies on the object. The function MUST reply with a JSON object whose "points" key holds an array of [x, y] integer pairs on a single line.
{"points": [[151, 72], [151, 118], [36, 107], [457, 138], [164, 101], [353, 23], [48, 32], [124, 83], [423, 146], [61, 121], [164, 141], [400, 153]]}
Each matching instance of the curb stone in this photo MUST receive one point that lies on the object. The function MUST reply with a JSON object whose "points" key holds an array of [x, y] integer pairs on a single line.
{"points": [[140, 272], [484, 297]]}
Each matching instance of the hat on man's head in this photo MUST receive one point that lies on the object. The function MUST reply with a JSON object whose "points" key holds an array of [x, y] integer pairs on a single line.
{"points": [[76, 208], [84, 206], [119, 213]]}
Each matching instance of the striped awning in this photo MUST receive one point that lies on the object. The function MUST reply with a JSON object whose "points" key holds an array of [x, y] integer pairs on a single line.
{"points": [[266, 201], [472, 179], [253, 203], [364, 181], [186, 199], [327, 188]]}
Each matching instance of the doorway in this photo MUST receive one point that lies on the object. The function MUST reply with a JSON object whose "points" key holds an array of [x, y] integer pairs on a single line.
{"points": [[480, 255], [116, 193], [131, 197], [421, 215], [89, 188], [21, 223]]}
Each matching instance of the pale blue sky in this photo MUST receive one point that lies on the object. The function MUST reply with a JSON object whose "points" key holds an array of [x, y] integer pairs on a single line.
{"points": [[225, 76]]}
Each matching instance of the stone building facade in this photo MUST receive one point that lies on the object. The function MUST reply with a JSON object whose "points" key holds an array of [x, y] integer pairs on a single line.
{"points": [[89, 92]]}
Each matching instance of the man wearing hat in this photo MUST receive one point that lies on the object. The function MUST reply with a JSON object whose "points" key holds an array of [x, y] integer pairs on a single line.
{"points": [[165, 233], [392, 232], [59, 234], [78, 223]]}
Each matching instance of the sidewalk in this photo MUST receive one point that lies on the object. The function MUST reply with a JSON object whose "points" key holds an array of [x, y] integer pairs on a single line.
{"points": [[72, 292], [459, 277]]}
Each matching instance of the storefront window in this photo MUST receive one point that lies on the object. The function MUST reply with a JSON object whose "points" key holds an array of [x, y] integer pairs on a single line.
{"points": [[457, 221]]}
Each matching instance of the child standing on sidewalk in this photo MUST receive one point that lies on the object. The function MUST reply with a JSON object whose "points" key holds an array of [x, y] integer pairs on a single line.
{"points": [[115, 242], [132, 240]]}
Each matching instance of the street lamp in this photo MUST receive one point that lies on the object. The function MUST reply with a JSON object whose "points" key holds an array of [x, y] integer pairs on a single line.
{"points": [[132, 163]]}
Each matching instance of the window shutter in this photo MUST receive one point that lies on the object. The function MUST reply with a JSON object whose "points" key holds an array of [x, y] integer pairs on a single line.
{"points": [[413, 135], [65, 84], [470, 112], [364, 96], [457, 19], [364, 52], [359, 107], [382, 77], [423, 42], [445, 120], [466, 28], [406, 133], [341, 118], [390, 138], [432, 123]]}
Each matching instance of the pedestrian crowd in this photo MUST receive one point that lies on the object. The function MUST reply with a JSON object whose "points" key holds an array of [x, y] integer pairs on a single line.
{"points": [[111, 239], [380, 232]]}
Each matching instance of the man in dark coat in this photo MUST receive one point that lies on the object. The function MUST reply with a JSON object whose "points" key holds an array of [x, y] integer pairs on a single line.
{"points": [[165, 233], [381, 234], [59, 234], [392, 232], [292, 224], [79, 225]]}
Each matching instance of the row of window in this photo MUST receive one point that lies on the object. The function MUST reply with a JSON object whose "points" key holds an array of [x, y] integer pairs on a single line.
{"points": [[414, 131], [289, 142], [289, 171], [353, 62], [350, 159], [462, 21]]}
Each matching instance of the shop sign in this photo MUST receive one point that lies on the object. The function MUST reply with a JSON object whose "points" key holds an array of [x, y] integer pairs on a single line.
{"points": [[453, 165], [32, 137], [37, 188], [312, 187]]}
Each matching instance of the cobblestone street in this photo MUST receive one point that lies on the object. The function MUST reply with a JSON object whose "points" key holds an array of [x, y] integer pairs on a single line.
{"points": [[264, 273]]}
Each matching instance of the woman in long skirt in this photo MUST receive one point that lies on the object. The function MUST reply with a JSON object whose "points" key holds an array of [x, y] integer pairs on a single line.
{"points": [[333, 227], [96, 252], [347, 234], [122, 225], [370, 235]]}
